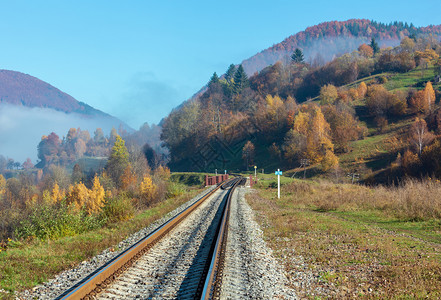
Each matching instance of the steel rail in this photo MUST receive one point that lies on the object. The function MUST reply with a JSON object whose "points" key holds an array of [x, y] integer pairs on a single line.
{"points": [[212, 283], [97, 280]]}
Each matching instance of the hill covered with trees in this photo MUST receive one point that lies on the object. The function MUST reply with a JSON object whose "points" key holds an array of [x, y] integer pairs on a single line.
{"points": [[323, 42], [372, 111]]}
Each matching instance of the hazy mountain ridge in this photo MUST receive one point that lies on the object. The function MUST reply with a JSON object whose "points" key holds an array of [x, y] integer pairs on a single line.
{"points": [[22, 89], [330, 39], [31, 108]]}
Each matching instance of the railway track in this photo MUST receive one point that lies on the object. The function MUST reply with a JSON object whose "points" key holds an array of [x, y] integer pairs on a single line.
{"points": [[182, 258]]}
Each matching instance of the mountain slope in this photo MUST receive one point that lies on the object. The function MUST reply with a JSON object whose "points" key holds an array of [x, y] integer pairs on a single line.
{"points": [[31, 108], [329, 39], [21, 89], [368, 101]]}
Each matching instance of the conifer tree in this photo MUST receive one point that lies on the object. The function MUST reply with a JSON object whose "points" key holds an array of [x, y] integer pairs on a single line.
{"points": [[214, 79], [297, 56], [374, 46], [229, 75], [240, 80]]}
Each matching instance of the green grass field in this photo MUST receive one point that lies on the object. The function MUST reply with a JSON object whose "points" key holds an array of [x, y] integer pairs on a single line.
{"points": [[353, 243]]}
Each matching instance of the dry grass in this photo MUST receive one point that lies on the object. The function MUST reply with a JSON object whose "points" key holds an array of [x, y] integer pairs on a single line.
{"points": [[413, 200], [24, 265], [358, 242]]}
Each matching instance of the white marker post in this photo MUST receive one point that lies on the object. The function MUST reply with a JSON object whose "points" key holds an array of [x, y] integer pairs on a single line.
{"points": [[225, 172], [216, 171], [255, 172], [278, 173]]}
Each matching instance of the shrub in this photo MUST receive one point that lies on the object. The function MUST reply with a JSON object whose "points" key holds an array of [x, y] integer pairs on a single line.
{"points": [[175, 190], [49, 222], [118, 209]]}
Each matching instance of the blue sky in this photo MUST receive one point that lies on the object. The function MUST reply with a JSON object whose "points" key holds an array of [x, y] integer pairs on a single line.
{"points": [[139, 59]]}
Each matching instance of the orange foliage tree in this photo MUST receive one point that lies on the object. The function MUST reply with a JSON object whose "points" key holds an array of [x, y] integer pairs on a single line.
{"points": [[419, 103], [366, 50], [128, 178]]}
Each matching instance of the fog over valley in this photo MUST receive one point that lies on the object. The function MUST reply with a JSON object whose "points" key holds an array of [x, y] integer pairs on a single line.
{"points": [[21, 128]]}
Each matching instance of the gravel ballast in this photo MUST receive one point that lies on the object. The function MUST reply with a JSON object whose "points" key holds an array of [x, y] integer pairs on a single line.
{"points": [[250, 271]]}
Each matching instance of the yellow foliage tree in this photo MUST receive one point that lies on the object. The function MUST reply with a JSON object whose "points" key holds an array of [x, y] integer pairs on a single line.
{"points": [[57, 194], [319, 140], [328, 94], [362, 89], [319, 147], [77, 196], [147, 188], [54, 196], [353, 93], [329, 161], [301, 123], [407, 44], [96, 197], [275, 109], [429, 95], [428, 55], [163, 172]]}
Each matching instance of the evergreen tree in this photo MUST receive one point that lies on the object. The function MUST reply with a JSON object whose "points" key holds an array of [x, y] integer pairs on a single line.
{"points": [[214, 79], [297, 56], [374, 46], [240, 80], [229, 75]]}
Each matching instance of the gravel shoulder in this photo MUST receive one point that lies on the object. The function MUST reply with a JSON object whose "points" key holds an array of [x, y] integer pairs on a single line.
{"points": [[251, 271]]}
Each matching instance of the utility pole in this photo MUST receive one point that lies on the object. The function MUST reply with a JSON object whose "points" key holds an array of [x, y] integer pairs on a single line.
{"points": [[353, 176], [304, 162]]}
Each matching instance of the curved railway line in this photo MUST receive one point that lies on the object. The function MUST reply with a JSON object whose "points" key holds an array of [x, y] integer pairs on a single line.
{"points": [[183, 258]]}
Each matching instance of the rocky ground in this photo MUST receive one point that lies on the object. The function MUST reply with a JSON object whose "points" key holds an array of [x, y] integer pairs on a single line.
{"points": [[251, 271]]}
